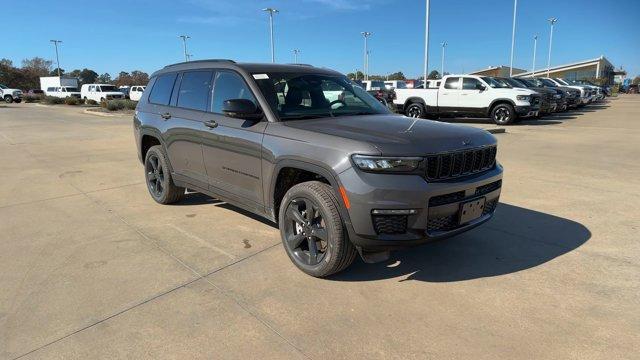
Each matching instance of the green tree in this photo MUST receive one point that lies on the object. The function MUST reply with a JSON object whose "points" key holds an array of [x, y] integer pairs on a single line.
{"points": [[87, 76], [434, 74], [358, 75], [104, 78], [139, 77], [396, 76], [636, 80], [54, 72]]}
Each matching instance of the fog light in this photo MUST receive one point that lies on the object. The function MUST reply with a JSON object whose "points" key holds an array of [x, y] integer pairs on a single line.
{"points": [[394, 211]]}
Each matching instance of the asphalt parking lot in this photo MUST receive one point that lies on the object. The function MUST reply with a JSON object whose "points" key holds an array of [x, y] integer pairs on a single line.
{"points": [[91, 267]]}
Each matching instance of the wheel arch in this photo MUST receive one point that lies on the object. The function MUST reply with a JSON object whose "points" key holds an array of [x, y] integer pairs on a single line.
{"points": [[499, 101]]}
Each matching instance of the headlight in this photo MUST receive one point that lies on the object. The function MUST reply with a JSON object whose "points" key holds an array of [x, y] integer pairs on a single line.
{"points": [[523, 97], [386, 164]]}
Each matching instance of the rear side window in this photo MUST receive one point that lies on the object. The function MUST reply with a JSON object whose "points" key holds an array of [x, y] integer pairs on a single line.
{"points": [[161, 92], [229, 85], [470, 83], [194, 90], [451, 83]]}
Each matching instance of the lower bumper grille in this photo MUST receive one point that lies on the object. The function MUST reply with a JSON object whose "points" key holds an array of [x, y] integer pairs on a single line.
{"points": [[390, 224], [450, 222]]}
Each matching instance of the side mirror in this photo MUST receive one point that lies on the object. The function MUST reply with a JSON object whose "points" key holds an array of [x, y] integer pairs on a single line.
{"points": [[241, 109], [481, 87]]}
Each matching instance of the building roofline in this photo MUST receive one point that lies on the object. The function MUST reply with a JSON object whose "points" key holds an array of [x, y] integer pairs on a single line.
{"points": [[570, 65]]}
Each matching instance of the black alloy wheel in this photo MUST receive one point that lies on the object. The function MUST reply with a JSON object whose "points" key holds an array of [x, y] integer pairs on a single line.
{"points": [[306, 236]]}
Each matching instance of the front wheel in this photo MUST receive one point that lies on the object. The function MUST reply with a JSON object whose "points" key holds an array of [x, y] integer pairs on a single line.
{"points": [[503, 114], [312, 231], [158, 177], [8, 99]]}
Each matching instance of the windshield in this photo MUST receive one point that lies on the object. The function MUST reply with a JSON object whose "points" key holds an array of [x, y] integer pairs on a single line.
{"points": [[3, 87], [548, 83], [400, 85], [562, 81], [514, 83], [495, 83], [70, 89], [105, 88], [294, 96], [527, 82]]}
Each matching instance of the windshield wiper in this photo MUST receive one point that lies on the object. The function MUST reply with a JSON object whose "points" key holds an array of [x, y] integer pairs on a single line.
{"points": [[302, 117], [357, 113]]}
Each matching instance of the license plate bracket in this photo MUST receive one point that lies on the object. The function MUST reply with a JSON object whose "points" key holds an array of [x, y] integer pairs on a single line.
{"points": [[471, 210]]}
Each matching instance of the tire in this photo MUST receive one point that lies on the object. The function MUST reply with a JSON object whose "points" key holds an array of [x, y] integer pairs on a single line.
{"points": [[158, 177], [415, 110], [316, 241], [17, 101], [503, 114], [8, 99]]}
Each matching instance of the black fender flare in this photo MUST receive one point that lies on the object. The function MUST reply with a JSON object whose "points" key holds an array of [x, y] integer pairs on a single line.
{"points": [[307, 165], [499, 100], [154, 133], [414, 99]]}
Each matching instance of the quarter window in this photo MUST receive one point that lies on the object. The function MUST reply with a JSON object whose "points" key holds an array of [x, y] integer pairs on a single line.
{"points": [[194, 90], [161, 92], [452, 83], [229, 85]]}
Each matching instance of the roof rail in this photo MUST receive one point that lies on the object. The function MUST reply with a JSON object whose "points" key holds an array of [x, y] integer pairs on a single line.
{"points": [[201, 61], [300, 64]]}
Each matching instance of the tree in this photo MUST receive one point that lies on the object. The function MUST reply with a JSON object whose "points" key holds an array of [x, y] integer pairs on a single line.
{"points": [[37, 66], [434, 74], [54, 72], [139, 77], [396, 76], [636, 80], [358, 75], [104, 78], [87, 76]]}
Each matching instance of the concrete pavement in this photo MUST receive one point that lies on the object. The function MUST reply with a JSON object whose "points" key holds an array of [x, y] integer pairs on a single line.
{"points": [[91, 267]]}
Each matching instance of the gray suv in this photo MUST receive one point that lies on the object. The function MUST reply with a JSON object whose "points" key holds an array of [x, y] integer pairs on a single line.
{"points": [[303, 147]]}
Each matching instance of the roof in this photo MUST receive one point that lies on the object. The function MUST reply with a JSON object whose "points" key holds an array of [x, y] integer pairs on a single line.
{"points": [[569, 66], [247, 67]]}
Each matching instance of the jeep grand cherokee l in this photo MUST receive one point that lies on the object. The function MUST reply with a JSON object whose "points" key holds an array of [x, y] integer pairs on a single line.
{"points": [[340, 177]]}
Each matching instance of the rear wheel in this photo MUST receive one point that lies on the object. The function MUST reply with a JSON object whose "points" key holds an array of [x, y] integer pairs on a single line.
{"points": [[312, 231], [158, 177], [415, 110], [503, 114]]}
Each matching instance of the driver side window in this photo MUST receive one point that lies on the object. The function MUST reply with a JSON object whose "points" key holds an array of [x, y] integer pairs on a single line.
{"points": [[229, 85]]}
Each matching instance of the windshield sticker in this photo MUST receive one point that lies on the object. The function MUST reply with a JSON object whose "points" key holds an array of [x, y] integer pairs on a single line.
{"points": [[260, 76]]}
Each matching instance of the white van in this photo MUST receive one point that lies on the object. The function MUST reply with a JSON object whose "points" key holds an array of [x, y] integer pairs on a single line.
{"points": [[135, 92], [99, 92], [62, 91]]}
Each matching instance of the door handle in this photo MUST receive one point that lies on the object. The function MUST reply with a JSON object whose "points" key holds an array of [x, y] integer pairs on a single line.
{"points": [[211, 124], [166, 116]]}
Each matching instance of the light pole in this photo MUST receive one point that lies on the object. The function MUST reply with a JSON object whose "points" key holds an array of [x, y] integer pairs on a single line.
{"points": [[271, 11], [552, 21], [444, 44], [426, 43], [366, 34], [513, 36], [184, 45], [535, 47], [55, 43], [295, 55]]}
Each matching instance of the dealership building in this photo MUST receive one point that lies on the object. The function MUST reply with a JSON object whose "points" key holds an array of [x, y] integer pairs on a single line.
{"points": [[588, 69]]}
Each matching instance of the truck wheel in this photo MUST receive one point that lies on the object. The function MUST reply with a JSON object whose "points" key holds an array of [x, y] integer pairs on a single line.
{"points": [[8, 99], [503, 114], [415, 110], [312, 231], [158, 177]]}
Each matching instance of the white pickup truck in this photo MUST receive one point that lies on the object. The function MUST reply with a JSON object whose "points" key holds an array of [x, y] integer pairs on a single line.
{"points": [[10, 95], [469, 96]]}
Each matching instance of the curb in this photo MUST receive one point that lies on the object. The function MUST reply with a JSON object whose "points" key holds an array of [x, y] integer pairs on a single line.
{"points": [[98, 113]]}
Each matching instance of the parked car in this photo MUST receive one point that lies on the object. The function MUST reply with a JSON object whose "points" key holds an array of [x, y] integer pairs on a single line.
{"points": [[548, 98], [378, 89], [596, 91], [586, 94], [125, 90], [34, 92], [47, 82], [63, 92], [10, 95], [571, 95], [340, 178], [395, 84], [136, 92], [100, 92], [469, 95]]}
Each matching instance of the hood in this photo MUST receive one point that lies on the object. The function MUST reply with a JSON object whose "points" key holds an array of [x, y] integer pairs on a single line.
{"points": [[399, 135], [518, 91]]}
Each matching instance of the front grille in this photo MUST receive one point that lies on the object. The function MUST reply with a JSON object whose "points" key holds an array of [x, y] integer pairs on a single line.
{"points": [[461, 163], [443, 223], [535, 100], [390, 224], [446, 198]]}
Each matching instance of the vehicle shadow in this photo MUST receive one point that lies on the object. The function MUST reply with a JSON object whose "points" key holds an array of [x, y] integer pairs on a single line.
{"points": [[196, 198], [515, 239], [547, 120]]}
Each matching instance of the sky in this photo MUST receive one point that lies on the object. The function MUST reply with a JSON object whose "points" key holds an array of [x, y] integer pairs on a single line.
{"points": [[114, 36]]}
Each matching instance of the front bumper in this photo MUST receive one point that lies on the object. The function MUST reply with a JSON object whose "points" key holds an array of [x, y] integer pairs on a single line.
{"points": [[436, 206], [527, 111]]}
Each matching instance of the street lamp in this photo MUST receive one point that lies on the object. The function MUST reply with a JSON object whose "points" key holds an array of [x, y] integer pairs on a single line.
{"points": [[426, 42], [366, 35], [513, 36], [535, 46], [184, 44], [55, 43], [444, 44], [552, 21], [295, 55], [271, 11]]}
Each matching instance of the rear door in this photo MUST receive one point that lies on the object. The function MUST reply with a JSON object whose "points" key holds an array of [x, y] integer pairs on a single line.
{"points": [[448, 95], [233, 147]]}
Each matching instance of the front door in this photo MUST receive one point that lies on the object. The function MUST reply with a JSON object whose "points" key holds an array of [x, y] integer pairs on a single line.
{"points": [[473, 100], [448, 95], [233, 147]]}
